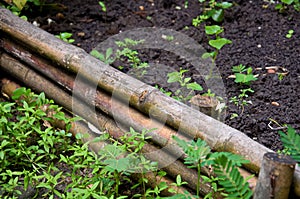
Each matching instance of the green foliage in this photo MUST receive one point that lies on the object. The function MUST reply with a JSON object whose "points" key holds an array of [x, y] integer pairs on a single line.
{"points": [[103, 6], [289, 34], [243, 75], [185, 83], [107, 58], [241, 100], [224, 164], [291, 143], [125, 51], [65, 36], [211, 10], [27, 144], [216, 43], [283, 6], [231, 179]]}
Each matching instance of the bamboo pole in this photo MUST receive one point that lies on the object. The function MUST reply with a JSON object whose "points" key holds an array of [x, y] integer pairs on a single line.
{"points": [[172, 166], [275, 177]]}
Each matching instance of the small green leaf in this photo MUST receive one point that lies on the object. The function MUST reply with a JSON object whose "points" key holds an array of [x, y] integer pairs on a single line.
{"points": [[288, 2], [217, 15], [219, 43], [214, 29], [18, 93], [65, 35], [194, 86], [224, 5], [173, 77], [207, 55]]}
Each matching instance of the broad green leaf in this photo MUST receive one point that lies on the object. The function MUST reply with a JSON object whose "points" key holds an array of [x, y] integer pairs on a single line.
{"points": [[219, 43], [18, 93], [207, 55], [211, 30], [288, 2], [194, 86], [173, 77], [218, 15], [65, 35], [224, 5]]}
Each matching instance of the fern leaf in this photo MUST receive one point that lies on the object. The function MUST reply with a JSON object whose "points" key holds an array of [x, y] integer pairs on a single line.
{"points": [[232, 181], [291, 141]]}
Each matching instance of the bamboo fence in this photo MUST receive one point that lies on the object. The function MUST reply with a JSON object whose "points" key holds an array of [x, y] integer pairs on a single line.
{"points": [[80, 82]]}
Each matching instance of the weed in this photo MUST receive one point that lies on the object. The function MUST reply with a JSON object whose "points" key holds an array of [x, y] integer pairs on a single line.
{"points": [[103, 6], [211, 10], [216, 43], [65, 36], [291, 143], [240, 100], [283, 6], [107, 58], [185, 82], [199, 154], [289, 34], [243, 75]]}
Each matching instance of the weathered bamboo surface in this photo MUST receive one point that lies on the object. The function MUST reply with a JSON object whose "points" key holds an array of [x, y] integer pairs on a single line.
{"points": [[275, 177], [191, 123]]}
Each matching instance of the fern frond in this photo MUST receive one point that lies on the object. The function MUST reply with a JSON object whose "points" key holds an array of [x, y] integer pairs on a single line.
{"points": [[236, 159], [291, 141], [232, 181]]}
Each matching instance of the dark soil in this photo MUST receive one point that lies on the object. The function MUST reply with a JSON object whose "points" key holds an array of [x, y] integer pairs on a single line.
{"points": [[258, 34]]}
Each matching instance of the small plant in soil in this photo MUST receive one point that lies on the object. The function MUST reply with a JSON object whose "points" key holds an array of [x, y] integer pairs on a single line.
{"points": [[211, 10], [240, 100], [243, 75], [185, 83], [283, 6], [224, 165], [216, 43], [291, 143], [107, 58], [130, 55], [102, 5], [65, 36], [289, 34]]}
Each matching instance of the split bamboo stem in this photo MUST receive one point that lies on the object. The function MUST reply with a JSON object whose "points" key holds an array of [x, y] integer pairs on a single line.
{"points": [[172, 166], [139, 95]]}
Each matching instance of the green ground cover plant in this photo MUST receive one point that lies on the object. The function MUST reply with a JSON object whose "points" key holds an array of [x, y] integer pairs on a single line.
{"points": [[216, 43], [185, 85], [212, 9], [65, 36], [224, 165], [291, 142], [244, 76], [283, 6], [124, 53]]}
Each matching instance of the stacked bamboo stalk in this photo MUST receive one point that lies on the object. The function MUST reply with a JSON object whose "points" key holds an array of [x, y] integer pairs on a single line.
{"points": [[51, 60]]}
